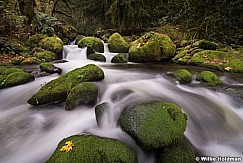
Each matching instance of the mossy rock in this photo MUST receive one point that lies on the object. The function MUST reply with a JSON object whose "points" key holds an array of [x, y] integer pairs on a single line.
{"points": [[46, 56], [58, 89], [206, 45], [35, 39], [30, 61], [18, 78], [154, 125], [50, 68], [208, 77], [85, 93], [99, 112], [78, 38], [235, 65], [180, 152], [117, 44], [53, 44], [97, 57], [7, 71], [119, 58], [93, 149], [151, 47], [92, 42], [183, 76]]}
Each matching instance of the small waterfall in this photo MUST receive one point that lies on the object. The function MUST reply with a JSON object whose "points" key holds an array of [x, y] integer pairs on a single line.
{"points": [[73, 52]]}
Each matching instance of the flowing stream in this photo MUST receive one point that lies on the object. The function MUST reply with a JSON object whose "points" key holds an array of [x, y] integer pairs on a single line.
{"points": [[30, 134]]}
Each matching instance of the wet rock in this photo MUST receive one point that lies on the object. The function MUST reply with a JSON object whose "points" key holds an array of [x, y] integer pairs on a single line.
{"points": [[58, 89], [95, 43], [97, 57], [119, 58], [183, 76], [99, 112], [85, 93], [88, 148], [50, 68], [154, 125]]}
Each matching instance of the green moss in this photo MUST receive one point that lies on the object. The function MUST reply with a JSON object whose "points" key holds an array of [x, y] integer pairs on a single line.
{"points": [[18, 78], [85, 93], [3, 70], [119, 58], [69, 31], [35, 39], [180, 152], [30, 60], [235, 65], [206, 45], [78, 38], [208, 77], [58, 89], [181, 54], [99, 112], [46, 56], [151, 47], [93, 149], [53, 44], [49, 68], [97, 57], [92, 42], [154, 125], [183, 76], [117, 44], [2, 81], [12, 70]]}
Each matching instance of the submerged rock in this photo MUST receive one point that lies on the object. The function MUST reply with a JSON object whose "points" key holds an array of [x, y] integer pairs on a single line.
{"points": [[117, 44], [93, 42], [58, 89], [183, 76], [99, 112], [85, 93], [179, 152], [154, 125], [89, 149], [151, 47]]}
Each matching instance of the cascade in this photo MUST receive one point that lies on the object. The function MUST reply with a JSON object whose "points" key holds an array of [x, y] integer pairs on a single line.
{"points": [[31, 133]]}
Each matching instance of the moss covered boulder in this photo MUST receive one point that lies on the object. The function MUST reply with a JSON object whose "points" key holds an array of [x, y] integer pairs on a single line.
{"points": [[85, 93], [53, 44], [119, 58], [208, 77], [117, 44], [99, 112], [205, 44], [97, 57], [151, 47], [46, 56], [58, 89], [93, 42], [35, 39], [69, 32], [183, 76], [180, 152], [49, 68], [154, 125], [93, 149], [18, 78]]}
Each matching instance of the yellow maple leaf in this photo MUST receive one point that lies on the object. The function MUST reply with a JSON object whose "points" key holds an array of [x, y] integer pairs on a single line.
{"points": [[66, 148]]}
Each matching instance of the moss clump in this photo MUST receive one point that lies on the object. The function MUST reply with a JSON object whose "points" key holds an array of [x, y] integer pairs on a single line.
{"points": [[119, 58], [35, 39], [235, 65], [82, 94], [93, 42], [154, 125], [78, 38], [18, 78], [53, 44], [180, 152], [117, 44], [208, 77], [97, 57], [183, 76], [206, 45], [49, 68], [58, 89], [99, 112], [46, 56], [151, 47], [93, 149], [69, 32]]}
